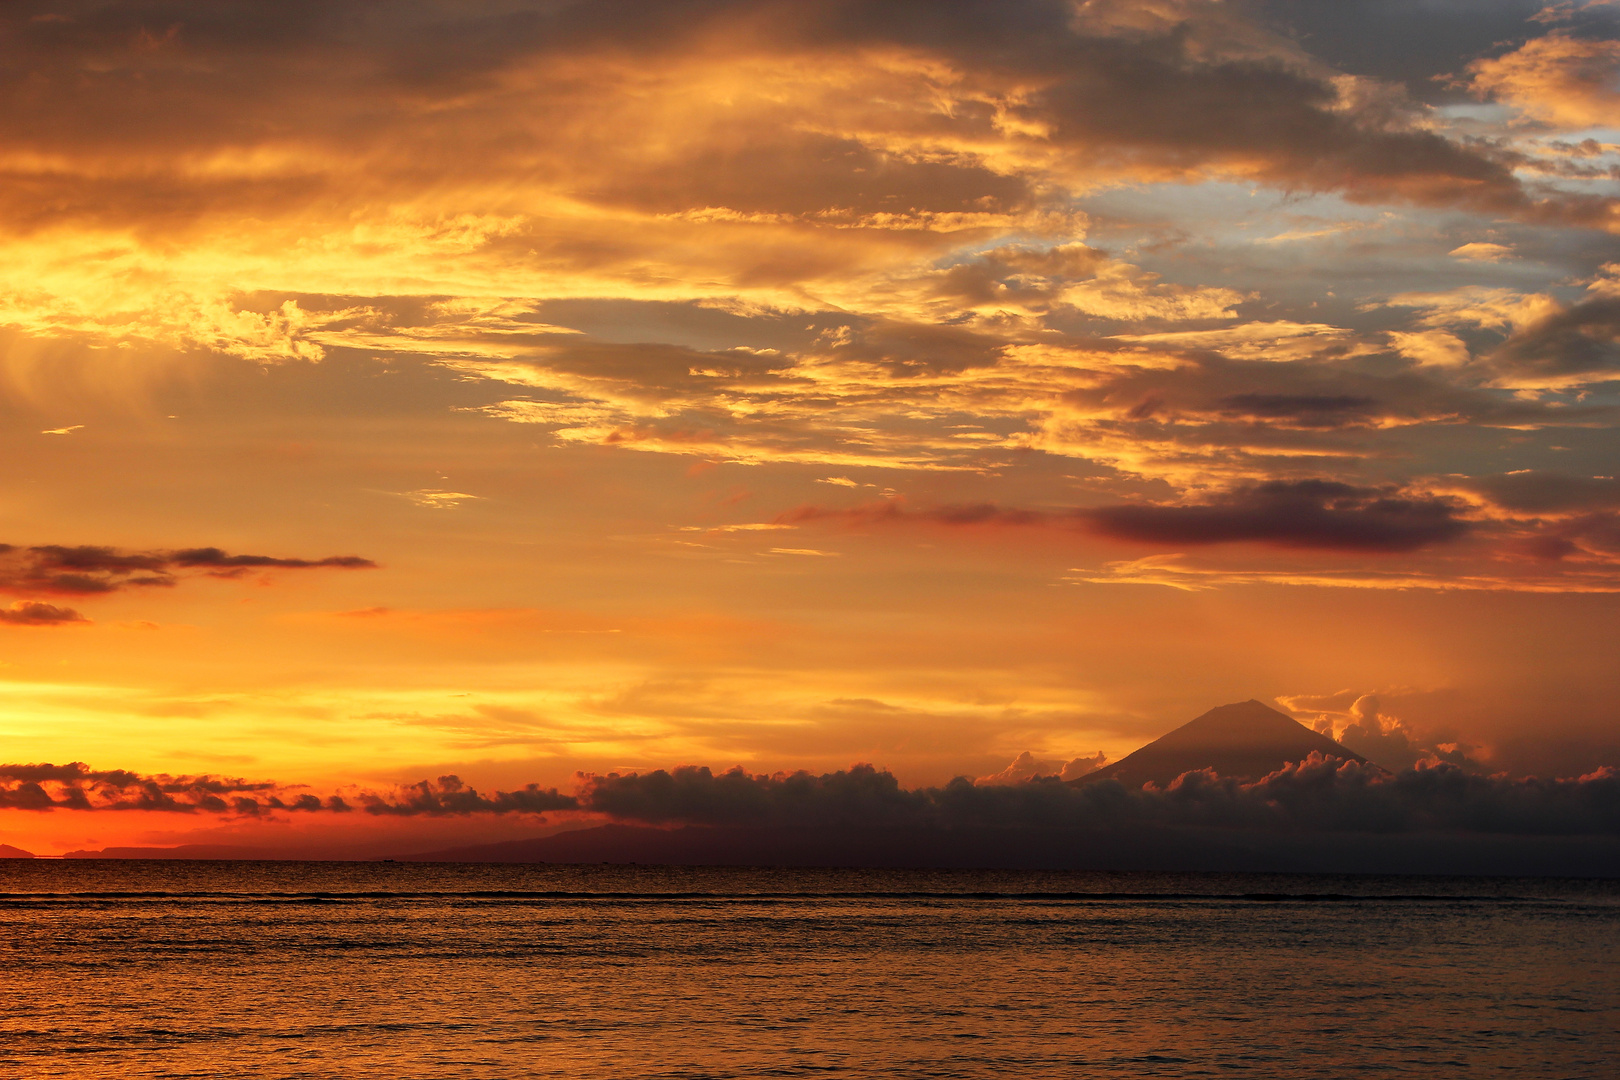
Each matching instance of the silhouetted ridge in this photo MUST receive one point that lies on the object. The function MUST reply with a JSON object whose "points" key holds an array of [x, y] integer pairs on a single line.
{"points": [[1247, 740]]}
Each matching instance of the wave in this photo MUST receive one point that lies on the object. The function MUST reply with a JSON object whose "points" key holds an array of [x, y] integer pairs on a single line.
{"points": [[554, 895]]}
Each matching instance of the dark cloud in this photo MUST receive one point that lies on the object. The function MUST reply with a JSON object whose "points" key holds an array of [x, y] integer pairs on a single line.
{"points": [[1322, 514], [1299, 514], [1316, 794], [214, 558], [85, 570], [1304, 410], [1415, 42], [450, 796], [76, 786], [72, 772], [1025, 277], [823, 178], [1211, 395], [895, 510], [1597, 533], [1195, 89], [695, 795], [1573, 515], [1538, 492], [38, 613], [1582, 340]]}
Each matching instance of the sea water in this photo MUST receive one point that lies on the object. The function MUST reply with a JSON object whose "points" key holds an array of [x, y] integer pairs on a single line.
{"points": [[212, 969]]}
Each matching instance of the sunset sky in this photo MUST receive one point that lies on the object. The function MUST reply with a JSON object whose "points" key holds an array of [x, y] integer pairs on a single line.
{"points": [[510, 389]]}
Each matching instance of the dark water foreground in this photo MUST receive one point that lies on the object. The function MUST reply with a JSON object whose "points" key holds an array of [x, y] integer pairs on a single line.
{"points": [[422, 970]]}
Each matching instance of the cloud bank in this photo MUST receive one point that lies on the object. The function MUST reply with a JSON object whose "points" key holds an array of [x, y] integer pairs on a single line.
{"points": [[1316, 794], [75, 786], [1326, 795]]}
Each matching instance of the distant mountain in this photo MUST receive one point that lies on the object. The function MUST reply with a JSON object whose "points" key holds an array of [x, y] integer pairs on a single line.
{"points": [[239, 852], [1245, 741], [9, 852], [184, 851]]}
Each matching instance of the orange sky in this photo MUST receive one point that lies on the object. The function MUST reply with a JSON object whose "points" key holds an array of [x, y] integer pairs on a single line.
{"points": [[789, 385]]}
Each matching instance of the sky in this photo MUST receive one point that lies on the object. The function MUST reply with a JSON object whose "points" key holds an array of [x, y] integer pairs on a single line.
{"points": [[527, 391]]}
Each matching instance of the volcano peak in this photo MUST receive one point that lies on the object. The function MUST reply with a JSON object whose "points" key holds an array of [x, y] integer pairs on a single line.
{"points": [[1244, 740]]}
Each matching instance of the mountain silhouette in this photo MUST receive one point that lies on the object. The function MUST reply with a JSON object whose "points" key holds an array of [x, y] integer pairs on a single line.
{"points": [[1246, 741]]}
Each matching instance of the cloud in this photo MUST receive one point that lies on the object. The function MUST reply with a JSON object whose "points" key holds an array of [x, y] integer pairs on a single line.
{"points": [[1318, 794], [1384, 739], [1308, 410], [1269, 341], [1315, 794], [1027, 83], [1547, 343], [880, 511], [1028, 767], [1193, 409], [1300, 514], [1565, 82], [1477, 305], [1177, 571], [794, 155], [1571, 346], [85, 570], [433, 499], [38, 613], [1437, 348], [1535, 491], [1480, 251], [1312, 514], [214, 559], [695, 795], [449, 796], [1028, 280], [75, 786], [904, 175]]}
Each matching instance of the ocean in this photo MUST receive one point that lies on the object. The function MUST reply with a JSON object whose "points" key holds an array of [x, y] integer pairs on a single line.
{"points": [[283, 969]]}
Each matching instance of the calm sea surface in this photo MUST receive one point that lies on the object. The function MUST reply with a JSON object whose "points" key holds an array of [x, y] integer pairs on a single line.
{"points": [[117, 969]]}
